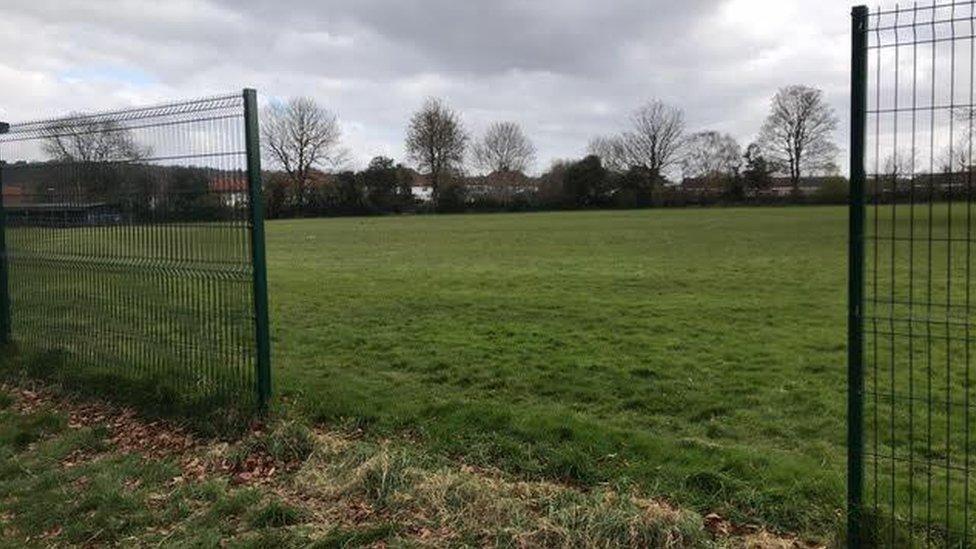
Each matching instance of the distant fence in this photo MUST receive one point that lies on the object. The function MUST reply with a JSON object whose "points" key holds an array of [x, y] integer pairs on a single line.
{"points": [[132, 250], [912, 383]]}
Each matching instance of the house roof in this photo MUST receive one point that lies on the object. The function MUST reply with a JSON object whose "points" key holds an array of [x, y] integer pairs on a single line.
{"points": [[418, 179], [501, 179], [229, 184], [810, 182], [13, 191], [710, 183], [700, 183]]}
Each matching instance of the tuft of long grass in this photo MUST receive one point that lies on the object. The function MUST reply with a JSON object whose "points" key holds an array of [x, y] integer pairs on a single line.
{"points": [[468, 507], [287, 442], [276, 514]]}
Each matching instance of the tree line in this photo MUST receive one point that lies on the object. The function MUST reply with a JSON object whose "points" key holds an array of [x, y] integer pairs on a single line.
{"points": [[447, 169], [652, 161]]}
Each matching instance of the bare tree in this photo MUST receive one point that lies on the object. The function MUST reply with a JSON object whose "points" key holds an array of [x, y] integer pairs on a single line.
{"points": [[900, 164], [301, 136], [653, 141], [952, 160], [798, 133], [710, 154], [82, 139], [99, 148], [896, 173], [504, 148], [966, 130], [436, 141], [611, 151]]}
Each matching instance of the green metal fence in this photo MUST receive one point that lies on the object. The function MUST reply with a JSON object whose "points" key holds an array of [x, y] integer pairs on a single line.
{"points": [[132, 250], [912, 230]]}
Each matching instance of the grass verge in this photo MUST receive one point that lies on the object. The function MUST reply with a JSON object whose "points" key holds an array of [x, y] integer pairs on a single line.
{"points": [[75, 473]]}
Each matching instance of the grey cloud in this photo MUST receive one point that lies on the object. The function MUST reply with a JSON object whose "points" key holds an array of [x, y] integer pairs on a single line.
{"points": [[567, 69], [567, 36]]}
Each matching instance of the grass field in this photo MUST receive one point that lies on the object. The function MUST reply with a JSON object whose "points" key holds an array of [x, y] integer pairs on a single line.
{"points": [[694, 355], [698, 354]]}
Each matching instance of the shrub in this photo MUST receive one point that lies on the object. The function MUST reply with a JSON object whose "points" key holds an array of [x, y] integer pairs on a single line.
{"points": [[835, 190]]}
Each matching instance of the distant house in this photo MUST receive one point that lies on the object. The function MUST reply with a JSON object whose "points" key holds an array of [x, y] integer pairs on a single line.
{"points": [[421, 186], [781, 186], [707, 186], [956, 183], [496, 185], [232, 190], [13, 195], [502, 185]]}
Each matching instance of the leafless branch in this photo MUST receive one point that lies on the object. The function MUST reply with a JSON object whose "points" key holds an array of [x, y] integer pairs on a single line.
{"points": [[300, 136], [504, 148], [797, 136], [710, 154], [653, 142], [436, 141]]}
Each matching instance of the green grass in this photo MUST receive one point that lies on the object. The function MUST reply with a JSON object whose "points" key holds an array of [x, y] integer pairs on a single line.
{"points": [[70, 486], [699, 354], [695, 355], [159, 313]]}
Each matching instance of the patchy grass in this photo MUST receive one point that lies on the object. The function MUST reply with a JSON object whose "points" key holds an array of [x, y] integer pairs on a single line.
{"points": [[75, 485]]}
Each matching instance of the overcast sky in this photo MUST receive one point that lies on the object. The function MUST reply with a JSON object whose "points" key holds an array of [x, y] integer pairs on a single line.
{"points": [[567, 70]]}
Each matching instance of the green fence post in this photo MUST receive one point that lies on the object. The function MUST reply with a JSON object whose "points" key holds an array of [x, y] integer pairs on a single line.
{"points": [[4, 281], [855, 306], [255, 193]]}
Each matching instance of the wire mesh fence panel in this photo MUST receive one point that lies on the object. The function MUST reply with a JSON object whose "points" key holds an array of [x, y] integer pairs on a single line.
{"points": [[129, 250], [913, 477]]}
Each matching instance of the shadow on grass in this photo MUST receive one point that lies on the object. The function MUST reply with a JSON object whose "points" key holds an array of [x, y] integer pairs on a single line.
{"points": [[206, 408], [879, 528]]}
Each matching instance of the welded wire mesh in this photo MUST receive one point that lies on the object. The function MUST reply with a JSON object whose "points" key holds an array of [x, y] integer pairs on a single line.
{"points": [[128, 249], [918, 305]]}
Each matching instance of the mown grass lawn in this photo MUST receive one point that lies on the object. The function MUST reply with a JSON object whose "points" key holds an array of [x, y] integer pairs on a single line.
{"points": [[699, 354]]}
